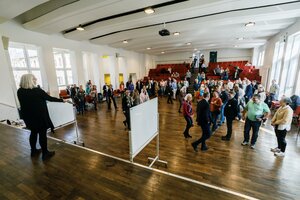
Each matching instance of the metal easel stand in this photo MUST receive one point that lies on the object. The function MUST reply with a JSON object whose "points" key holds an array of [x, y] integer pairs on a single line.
{"points": [[156, 159], [77, 141]]}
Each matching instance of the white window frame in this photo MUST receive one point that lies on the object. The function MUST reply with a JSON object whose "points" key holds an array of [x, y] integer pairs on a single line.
{"points": [[28, 68], [63, 52]]}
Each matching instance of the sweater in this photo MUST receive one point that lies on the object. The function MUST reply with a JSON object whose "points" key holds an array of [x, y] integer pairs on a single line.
{"points": [[283, 118]]}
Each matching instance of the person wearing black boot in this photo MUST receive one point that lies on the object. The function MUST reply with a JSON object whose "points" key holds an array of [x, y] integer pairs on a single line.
{"points": [[203, 120], [230, 112], [169, 91], [188, 114], [35, 113], [126, 105]]}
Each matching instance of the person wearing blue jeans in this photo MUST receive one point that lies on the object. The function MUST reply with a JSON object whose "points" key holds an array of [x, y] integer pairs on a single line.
{"points": [[255, 112], [224, 98]]}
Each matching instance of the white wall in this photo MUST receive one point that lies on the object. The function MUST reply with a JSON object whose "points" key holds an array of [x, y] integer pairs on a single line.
{"points": [[97, 65], [174, 58], [223, 55]]}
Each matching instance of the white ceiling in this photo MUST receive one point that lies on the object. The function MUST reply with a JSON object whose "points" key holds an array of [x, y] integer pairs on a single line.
{"points": [[12, 8], [212, 30]]}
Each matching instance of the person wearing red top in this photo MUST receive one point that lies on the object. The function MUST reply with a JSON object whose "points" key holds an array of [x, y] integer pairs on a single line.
{"points": [[188, 114], [215, 109]]}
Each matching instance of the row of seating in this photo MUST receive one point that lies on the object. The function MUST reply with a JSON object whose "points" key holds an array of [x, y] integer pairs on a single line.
{"points": [[248, 71], [162, 71]]}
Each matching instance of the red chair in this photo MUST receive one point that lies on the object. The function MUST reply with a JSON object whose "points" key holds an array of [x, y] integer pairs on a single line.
{"points": [[296, 114], [64, 94]]}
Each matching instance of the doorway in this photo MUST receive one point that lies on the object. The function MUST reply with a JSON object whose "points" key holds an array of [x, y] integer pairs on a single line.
{"points": [[107, 79]]}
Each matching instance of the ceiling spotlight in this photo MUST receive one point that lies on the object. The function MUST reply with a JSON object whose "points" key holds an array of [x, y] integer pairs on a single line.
{"points": [[176, 33], [241, 38], [188, 43], [149, 10], [236, 46], [148, 48], [80, 28], [125, 41], [162, 52], [195, 49], [250, 24]]}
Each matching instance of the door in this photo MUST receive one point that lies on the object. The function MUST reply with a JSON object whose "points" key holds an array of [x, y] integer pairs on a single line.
{"points": [[121, 78], [107, 79]]}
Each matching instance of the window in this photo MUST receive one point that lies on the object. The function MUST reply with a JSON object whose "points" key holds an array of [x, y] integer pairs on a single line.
{"points": [[63, 66], [277, 61], [261, 59], [24, 59], [291, 65]]}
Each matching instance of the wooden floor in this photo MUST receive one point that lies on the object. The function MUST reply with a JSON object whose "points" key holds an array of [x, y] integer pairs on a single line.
{"points": [[75, 173], [228, 165]]}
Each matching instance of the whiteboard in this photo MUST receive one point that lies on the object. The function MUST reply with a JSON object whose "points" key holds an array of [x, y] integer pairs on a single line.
{"points": [[60, 113], [144, 125], [8, 112]]}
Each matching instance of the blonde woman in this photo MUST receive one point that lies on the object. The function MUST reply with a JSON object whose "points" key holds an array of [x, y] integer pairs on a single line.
{"points": [[35, 113], [282, 122]]}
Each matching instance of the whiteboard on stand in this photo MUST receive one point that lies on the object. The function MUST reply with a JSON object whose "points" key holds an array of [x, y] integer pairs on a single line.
{"points": [[144, 125], [61, 113]]}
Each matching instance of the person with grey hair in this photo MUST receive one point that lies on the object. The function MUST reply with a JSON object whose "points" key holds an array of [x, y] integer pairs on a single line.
{"points": [[34, 112], [255, 112], [188, 114], [274, 90], [282, 123]]}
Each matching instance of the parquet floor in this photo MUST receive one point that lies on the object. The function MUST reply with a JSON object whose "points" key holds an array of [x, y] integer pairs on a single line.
{"points": [[255, 173]]}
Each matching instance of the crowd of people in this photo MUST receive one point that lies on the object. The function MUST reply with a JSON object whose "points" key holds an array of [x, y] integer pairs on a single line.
{"points": [[217, 101]]}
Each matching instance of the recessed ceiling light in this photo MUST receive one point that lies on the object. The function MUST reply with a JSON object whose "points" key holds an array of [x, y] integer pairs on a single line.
{"points": [[162, 52], [241, 38], [148, 48], [149, 10], [80, 28], [250, 24], [236, 46], [176, 33], [195, 49], [125, 41], [188, 43]]}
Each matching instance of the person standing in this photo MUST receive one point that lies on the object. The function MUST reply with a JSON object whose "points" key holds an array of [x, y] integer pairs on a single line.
{"points": [[248, 91], [144, 96], [255, 112], [203, 120], [282, 123], [110, 96], [215, 109], [224, 98], [169, 92], [188, 114], [274, 90], [136, 97], [230, 112], [81, 99], [94, 95], [182, 93], [188, 76], [35, 113], [126, 105], [174, 88]]}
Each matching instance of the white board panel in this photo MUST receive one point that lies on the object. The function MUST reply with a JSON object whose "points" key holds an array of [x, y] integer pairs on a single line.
{"points": [[144, 125], [60, 113], [8, 112]]}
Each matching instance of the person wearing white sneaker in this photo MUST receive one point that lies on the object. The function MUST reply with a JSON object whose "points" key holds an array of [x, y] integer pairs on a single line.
{"points": [[282, 123], [255, 112]]}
